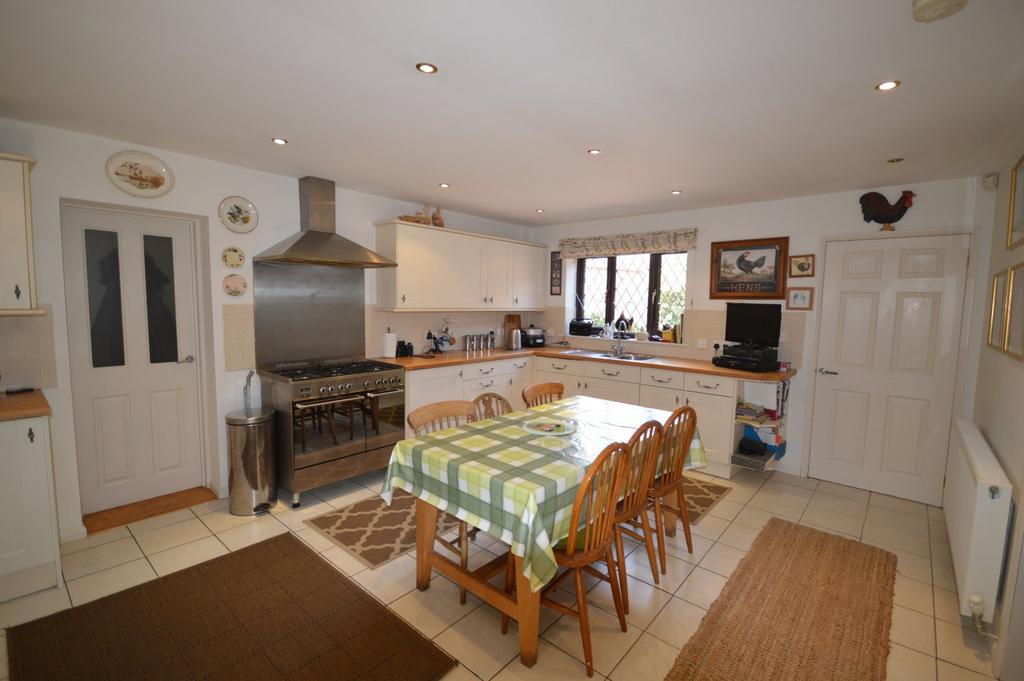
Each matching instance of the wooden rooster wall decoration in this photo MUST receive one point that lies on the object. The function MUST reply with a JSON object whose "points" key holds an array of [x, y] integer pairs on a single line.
{"points": [[876, 208]]}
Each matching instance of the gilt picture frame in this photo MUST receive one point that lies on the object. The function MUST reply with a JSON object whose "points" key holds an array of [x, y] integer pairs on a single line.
{"points": [[800, 298], [997, 311], [749, 269], [1015, 217], [1013, 344]]}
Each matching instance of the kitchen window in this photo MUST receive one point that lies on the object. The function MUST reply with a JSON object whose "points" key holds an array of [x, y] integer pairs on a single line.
{"points": [[649, 288]]}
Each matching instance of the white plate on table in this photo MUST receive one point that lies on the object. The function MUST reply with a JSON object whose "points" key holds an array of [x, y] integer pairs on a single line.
{"points": [[546, 425]]}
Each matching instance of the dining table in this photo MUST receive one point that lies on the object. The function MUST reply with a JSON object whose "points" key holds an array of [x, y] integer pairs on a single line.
{"points": [[515, 482]]}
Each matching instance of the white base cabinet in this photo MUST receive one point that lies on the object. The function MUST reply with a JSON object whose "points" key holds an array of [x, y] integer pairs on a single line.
{"points": [[29, 553], [712, 397]]}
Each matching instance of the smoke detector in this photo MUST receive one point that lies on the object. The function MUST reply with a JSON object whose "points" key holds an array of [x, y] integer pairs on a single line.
{"points": [[927, 11]]}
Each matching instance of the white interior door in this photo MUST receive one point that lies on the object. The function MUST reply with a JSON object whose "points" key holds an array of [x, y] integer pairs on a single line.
{"points": [[131, 302], [887, 357]]}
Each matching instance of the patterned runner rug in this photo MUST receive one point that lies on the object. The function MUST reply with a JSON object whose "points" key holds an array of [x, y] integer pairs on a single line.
{"points": [[803, 605], [376, 534], [272, 611]]}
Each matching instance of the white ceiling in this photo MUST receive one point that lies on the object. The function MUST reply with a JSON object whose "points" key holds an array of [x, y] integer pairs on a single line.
{"points": [[731, 101]]}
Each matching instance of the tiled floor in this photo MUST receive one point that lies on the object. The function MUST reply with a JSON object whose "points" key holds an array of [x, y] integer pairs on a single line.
{"points": [[929, 643]]}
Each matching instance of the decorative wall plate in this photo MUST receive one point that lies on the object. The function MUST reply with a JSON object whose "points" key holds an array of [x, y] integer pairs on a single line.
{"points": [[238, 214], [139, 174], [235, 285], [232, 256]]}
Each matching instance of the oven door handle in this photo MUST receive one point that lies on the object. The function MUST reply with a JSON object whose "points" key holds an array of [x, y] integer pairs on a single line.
{"points": [[311, 405], [386, 392]]}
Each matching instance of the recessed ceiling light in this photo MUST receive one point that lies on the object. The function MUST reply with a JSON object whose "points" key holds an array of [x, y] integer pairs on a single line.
{"points": [[279, 140], [444, 185], [593, 152], [540, 210], [676, 192], [424, 67], [887, 85], [898, 159]]}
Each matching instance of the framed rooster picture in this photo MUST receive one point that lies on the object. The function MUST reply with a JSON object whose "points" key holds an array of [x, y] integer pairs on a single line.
{"points": [[752, 268]]}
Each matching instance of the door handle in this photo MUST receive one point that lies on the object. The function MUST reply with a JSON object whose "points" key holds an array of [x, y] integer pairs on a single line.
{"points": [[17, 292], [826, 372], [609, 373], [187, 360], [31, 435]]}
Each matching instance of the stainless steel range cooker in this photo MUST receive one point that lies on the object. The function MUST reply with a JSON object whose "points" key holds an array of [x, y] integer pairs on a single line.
{"points": [[334, 418]]}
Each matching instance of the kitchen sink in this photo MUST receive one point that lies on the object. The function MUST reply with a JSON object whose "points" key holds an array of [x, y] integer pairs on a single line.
{"points": [[585, 353], [627, 356]]}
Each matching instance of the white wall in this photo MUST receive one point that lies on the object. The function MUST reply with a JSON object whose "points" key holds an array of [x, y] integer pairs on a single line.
{"points": [[997, 412], [938, 205], [71, 165]]}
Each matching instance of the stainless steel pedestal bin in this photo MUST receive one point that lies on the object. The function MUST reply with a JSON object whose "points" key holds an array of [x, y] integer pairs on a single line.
{"points": [[252, 482]]}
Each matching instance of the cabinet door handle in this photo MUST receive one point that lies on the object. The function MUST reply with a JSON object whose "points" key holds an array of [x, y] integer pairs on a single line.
{"points": [[488, 384], [516, 301], [403, 297], [610, 373], [709, 387], [518, 366], [686, 401], [31, 435], [485, 300], [661, 380], [559, 368], [586, 385], [486, 372], [677, 399], [460, 374], [17, 292], [491, 299]]}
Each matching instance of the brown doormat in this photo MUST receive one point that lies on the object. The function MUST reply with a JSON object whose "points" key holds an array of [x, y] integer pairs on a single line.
{"points": [[274, 610], [803, 605], [376, 534]]}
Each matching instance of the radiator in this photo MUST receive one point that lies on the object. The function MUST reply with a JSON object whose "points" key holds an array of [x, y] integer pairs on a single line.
{"points": [[976, 503]]}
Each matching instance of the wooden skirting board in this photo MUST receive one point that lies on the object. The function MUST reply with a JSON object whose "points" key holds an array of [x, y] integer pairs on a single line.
{"points": [[147, 508]]}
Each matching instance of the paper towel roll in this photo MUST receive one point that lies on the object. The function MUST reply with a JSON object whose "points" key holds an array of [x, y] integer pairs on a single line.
{"points": [[390, 343]]}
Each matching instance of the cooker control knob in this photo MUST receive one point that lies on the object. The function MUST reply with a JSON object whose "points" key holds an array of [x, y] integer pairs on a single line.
{"points": [[348, 386], [366, 384], [331, 389], [378, 381], [323, 389], [394, 379]]}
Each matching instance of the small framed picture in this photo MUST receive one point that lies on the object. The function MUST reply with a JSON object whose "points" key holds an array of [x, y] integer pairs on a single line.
{"points": [[997, 312], [798, 298], [556, 273], [801, 266], [1014, 345]]}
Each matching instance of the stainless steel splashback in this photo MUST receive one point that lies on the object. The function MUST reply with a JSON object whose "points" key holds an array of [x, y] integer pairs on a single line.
{"points": [[305, 312]]}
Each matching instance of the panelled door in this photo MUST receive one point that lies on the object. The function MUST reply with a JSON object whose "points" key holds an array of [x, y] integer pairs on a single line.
{"points": [[887, 358], [131, 301]]}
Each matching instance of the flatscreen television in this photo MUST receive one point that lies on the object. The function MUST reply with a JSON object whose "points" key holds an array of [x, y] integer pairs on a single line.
{"points": [[753, 323]]}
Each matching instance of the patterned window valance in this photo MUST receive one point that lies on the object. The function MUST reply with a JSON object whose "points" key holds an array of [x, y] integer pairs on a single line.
{"points": [[670, 241]]}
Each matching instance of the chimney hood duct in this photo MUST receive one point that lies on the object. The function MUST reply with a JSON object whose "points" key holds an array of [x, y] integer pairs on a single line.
{"points": [[317, 243]]}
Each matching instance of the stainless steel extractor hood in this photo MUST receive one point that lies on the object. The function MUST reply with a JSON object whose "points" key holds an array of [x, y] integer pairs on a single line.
{"points": [[317, 243]]}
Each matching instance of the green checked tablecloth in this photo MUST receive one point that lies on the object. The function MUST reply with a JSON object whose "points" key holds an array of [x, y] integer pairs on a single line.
{"points": [[513, 484]]}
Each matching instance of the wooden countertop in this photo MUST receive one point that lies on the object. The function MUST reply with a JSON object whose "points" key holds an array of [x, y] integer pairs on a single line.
{"points": [[23, 406], [670, 363]]}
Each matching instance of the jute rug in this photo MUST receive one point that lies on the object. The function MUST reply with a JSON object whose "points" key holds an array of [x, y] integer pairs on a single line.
{"points": [[802, 605], [376, 534], [274, 610]]}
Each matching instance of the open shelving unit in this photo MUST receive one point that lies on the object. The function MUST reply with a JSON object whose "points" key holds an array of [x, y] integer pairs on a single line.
{"points": [[770, 428]]}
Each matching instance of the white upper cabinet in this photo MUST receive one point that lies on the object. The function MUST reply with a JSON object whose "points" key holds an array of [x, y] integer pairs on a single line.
{"points": [[17, 267], [528, 276], [441, 269], [497, 273]]}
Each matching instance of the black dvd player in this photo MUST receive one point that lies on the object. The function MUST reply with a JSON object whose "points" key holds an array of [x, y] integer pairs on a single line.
{"points": [[758, 364]]}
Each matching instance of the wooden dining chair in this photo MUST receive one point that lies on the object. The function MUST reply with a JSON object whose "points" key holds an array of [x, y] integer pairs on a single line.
{"points": [[644, 450], [543, 393], [677, 434], [589, 541], [490, 405], [431, 418]]}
